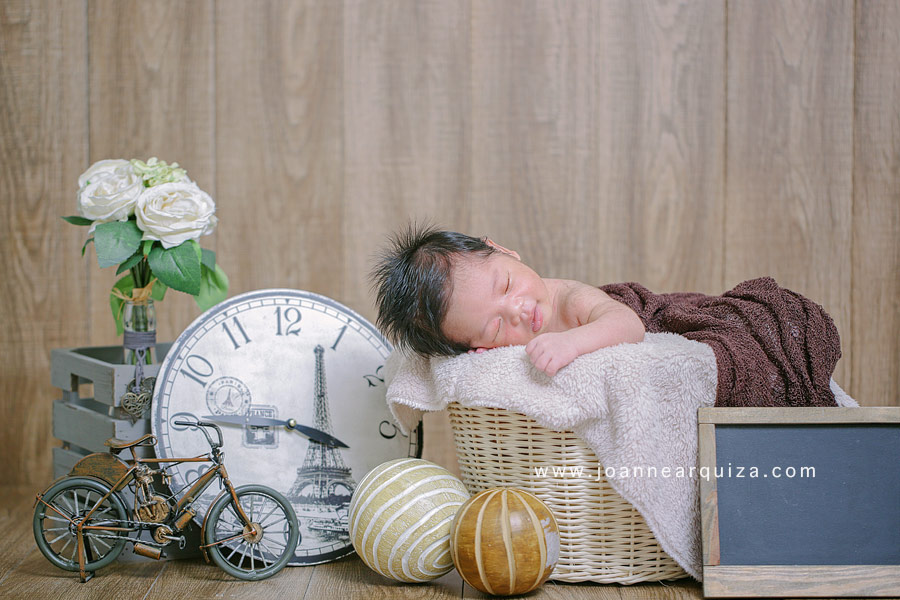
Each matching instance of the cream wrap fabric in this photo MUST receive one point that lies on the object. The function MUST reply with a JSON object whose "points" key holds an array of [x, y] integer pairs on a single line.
{"points": [[634, 405]]}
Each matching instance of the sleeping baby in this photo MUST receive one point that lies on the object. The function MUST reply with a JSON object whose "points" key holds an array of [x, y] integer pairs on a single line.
{"points": [[445, 293], [442, 293]]}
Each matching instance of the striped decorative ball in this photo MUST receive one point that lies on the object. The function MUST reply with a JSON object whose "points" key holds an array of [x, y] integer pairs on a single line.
{"points": [[504, 541], [400, 517]]}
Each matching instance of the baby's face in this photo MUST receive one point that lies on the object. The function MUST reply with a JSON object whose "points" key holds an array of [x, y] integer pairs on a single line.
{"points": [[496, 301]]}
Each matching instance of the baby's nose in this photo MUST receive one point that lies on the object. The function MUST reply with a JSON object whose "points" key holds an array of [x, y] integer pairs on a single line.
{"points": [[517, 311]]}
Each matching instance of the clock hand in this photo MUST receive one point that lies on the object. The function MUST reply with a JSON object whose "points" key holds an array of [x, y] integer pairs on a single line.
{"points": [[317, 435]]}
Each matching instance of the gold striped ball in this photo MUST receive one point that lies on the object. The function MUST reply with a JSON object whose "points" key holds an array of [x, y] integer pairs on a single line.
{"points": [[504, 541], [400, 517]]}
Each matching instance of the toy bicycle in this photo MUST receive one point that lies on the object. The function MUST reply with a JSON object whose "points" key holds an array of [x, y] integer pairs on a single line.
{"points": [[82, 523]]}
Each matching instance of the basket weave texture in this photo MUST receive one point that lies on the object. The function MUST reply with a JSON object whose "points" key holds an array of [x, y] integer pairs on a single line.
{"points": [[603, 538]]}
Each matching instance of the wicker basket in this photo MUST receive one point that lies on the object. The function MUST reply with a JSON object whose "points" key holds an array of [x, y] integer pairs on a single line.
{"points": [[602, 537]]}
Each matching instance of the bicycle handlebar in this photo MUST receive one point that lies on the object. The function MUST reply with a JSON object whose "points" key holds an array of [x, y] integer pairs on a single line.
{"points": [[202, 425]]}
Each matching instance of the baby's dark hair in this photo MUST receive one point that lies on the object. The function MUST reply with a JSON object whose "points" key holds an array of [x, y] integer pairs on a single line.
{"points": [[413, 286]]}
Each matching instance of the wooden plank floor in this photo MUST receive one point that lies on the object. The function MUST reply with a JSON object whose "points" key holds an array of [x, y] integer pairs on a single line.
{"points": [[25, 573]]}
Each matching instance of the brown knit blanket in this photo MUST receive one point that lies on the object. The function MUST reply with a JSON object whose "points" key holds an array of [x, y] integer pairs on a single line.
{"points": [[773, 347]]}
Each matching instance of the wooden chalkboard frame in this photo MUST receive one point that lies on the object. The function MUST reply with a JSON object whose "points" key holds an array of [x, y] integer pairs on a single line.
{"points": [[730, 581]]}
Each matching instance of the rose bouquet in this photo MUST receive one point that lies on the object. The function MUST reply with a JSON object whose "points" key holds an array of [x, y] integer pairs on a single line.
{"points": [[146, 217]]}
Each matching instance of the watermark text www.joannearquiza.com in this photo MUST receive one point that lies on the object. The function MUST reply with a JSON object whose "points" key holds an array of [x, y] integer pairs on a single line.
{"points": [[707, 473]]}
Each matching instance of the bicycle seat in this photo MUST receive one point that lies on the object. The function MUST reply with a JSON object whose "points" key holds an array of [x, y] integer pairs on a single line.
{"points": [[117, 444]]}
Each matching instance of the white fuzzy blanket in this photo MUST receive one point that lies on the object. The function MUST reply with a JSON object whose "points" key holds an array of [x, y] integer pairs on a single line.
{"points": [[635, 405]]}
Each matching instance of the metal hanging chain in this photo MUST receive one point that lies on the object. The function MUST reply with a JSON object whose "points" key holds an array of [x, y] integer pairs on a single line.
{"points": [[139, 392]]}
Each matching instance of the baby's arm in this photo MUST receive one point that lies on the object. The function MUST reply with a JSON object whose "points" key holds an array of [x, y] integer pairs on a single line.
{"points": [[599, 322]]}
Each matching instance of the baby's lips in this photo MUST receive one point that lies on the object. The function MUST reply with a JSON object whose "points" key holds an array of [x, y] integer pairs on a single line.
{"points": [[537, 320]]}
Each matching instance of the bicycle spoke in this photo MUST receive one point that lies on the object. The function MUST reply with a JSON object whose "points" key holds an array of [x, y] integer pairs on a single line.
{"points": [[243, 556], [251, 510], [261, 553], [268, 526], [252, 560], [269, 550], [277, 544], [71, 512], [224, 533], [61, 536], [224, 525], [262, 521], [48, 516], [65, 511], [258, 553], [99, 540], [236, 521], [100, 513], [233, 551], [89, 544]]}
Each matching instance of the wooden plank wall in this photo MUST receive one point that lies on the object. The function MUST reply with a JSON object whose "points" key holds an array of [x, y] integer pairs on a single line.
{"points": [[688, 145]]}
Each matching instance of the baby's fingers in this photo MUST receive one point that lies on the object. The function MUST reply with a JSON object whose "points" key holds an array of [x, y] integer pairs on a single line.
{"points": [[541, 360]]}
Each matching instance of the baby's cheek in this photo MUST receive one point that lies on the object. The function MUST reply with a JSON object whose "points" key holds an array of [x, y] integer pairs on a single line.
{"points": [[522, 338]]}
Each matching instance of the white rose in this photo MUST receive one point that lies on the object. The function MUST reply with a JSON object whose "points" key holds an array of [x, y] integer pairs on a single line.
{"points": [[101, 168], [108, 191], [175, 212]]}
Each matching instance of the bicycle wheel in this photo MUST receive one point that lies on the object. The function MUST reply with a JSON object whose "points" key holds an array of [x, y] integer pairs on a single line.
{"points": [[55, 535], [257, 549]]}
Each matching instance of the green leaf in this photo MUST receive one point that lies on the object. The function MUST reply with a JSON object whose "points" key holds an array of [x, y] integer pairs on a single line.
{"points": [[197, 249], [135, 259], [213, 287], [159, 291], [147, 245], [124, 285], [178, 267], [86, 242], [208, 259], [116, 242], [81, 221]]}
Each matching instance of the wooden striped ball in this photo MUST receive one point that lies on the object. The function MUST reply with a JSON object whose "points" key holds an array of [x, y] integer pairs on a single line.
{"points": [[504, 541], [400, 517]]}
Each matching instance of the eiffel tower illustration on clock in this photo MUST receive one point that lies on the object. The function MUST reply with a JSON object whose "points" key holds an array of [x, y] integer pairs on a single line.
{"points": [[321, 492]]}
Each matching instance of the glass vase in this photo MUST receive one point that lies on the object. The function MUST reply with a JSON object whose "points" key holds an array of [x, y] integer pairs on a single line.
{"points": [[139, 321]]}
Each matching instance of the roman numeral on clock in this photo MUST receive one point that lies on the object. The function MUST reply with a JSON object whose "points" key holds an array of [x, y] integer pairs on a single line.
{"points": [[240, 328], [340, 335]]}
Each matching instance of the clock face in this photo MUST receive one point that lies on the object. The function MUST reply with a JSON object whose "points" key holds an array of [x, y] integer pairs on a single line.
{"points": [[282, 354]]}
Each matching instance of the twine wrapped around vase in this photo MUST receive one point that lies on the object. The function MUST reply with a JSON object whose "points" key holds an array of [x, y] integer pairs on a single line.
{"points": [[138, 345], [139, 295]]}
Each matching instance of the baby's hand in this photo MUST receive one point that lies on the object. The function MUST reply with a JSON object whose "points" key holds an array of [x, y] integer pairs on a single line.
{"points": [[550, 352]]}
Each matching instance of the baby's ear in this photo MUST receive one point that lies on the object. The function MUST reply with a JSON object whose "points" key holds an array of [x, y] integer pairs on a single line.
{"points": [[497, 246]]}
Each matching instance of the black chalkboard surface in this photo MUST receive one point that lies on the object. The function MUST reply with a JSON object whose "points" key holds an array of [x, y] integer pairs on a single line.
{"points": [[800, 501]]}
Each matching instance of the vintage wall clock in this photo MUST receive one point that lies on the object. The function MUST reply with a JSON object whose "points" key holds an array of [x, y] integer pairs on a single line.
{"points": [[270, 356]]}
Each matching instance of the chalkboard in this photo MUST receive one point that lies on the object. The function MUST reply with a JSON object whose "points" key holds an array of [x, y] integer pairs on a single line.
{"points": [[800, 501]]}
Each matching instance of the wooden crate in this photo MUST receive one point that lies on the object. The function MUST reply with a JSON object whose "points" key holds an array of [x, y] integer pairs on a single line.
{"points": [[92, 381]]}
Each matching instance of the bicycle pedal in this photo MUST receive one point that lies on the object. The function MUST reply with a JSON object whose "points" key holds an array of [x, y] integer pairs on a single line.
{"points": [[148, 551], [180, 539]]}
